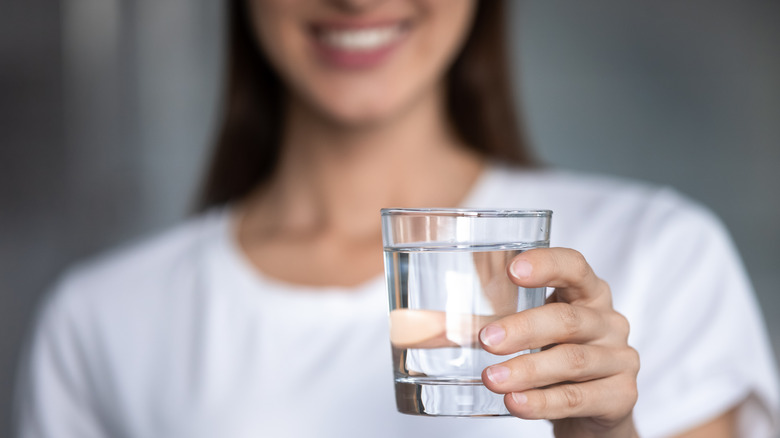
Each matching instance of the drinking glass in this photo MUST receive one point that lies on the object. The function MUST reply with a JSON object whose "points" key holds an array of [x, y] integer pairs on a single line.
{"points": [[446, 274]]}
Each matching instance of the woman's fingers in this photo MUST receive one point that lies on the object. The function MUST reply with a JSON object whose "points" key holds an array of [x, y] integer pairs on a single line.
{"points": [[562, 363], [564, 269], [588, 376], [550, 324], [609, 399]]}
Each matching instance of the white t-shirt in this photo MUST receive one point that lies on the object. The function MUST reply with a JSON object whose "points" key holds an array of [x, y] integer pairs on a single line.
{"points": [[181, 337]]}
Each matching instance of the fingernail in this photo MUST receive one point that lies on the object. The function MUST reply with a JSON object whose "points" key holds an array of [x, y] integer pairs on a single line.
{"points": [[497, 374], [521, 269], [492, 335], [519, 398]]}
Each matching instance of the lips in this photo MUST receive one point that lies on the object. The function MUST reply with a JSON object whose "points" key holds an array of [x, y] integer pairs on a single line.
{"points": [[358, 45]]}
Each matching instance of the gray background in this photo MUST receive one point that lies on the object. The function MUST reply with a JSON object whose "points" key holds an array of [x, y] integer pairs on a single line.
{"points": [[107, 108]]}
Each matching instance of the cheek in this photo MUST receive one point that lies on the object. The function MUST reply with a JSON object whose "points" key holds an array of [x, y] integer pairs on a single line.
{"points": [[285, 43], [451, 22], [277, 34]]}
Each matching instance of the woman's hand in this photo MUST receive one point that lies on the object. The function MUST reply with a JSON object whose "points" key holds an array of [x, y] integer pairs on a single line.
{"points": [[584, 380]]}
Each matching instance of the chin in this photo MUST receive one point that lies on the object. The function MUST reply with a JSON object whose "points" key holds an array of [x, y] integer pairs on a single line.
{"points": [[363, 115], [364, 119]]}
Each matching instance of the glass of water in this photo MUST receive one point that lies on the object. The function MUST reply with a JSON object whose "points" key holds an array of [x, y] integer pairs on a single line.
{"points": [[446, 273]]}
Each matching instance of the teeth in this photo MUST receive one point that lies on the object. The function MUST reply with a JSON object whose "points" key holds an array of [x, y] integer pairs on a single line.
{"points": [[360, 39]]}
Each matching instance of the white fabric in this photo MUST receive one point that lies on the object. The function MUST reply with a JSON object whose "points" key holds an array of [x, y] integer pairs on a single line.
{"points": [[181, 337]]}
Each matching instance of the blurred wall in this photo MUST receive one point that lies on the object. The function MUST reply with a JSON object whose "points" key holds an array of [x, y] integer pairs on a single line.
{"points": [[31, 153], [107, 108]]}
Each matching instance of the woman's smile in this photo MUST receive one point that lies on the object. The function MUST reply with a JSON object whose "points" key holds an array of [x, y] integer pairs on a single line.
{"points": [[362, 64], [358, 45]]}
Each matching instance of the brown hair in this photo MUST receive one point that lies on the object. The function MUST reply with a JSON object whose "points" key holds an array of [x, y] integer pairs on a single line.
{"points": [[479, 97]]}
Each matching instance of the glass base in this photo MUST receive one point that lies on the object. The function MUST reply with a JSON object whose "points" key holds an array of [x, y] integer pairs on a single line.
{"points": [[448, 399]]}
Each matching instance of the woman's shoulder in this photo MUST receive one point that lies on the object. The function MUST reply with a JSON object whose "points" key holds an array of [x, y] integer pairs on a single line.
{"points": [[143, 266], [592, 196], [611, 219]]}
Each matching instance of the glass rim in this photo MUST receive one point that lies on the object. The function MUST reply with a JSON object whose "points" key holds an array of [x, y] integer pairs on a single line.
{"points": [[467, 212]]}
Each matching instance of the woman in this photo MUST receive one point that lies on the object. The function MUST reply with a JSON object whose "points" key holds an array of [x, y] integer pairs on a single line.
{"points": [[266, 317]]}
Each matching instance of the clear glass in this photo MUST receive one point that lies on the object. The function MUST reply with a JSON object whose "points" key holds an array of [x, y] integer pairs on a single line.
{"points": [[446, 273]]}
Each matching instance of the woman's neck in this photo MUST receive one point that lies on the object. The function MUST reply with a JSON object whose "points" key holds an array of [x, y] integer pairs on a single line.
{"points": [[316, 221], [338, 177]]}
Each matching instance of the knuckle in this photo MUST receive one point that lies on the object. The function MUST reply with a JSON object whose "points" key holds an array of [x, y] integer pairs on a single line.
{"points": [[633, 358], [632, 394], [605, 286], [629, 391], [621, 325], [606, 290], [569, 317], [573, 396], [580, 267], [576, 357]]}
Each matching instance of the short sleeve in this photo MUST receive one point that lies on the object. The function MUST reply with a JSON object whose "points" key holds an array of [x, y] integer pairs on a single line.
{"points": [[698, 328], [54, 393]]}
